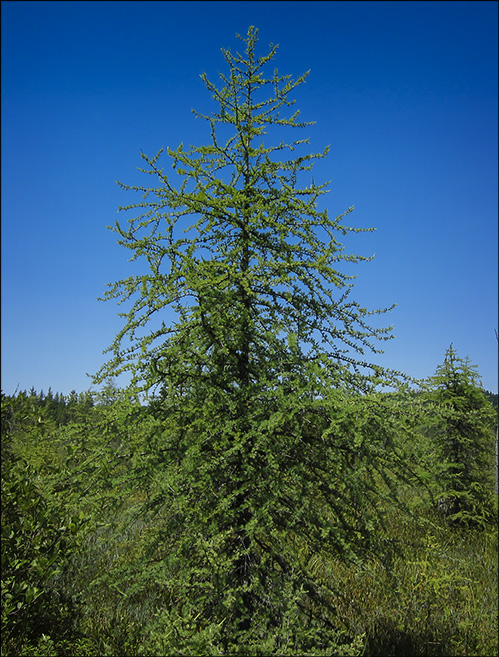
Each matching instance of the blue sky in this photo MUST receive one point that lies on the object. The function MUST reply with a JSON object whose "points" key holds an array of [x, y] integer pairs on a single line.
{"points": [[404, 92]]}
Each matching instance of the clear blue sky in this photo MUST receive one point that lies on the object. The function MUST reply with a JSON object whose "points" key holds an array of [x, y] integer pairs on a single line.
{"points": [[404, 92]]}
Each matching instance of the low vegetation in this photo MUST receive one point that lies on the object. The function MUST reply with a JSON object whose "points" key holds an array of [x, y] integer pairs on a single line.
{"points": [[86, 568]]}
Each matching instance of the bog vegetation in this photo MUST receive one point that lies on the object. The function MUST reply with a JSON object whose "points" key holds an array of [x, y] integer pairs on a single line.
{"points": [[260, 487]]}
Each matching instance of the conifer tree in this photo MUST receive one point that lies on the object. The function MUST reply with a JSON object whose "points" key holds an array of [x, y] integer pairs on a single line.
{"points": [[271, 444], [463, 433]]}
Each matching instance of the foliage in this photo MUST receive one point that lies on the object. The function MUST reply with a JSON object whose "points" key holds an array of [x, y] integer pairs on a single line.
{"points": [[492, 397], [267, 423], [32, 419], [38, 538], [437, 598], [253, 491], [462, 423], [254, 276]]}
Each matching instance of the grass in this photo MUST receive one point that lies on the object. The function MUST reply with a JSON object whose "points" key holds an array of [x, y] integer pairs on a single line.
{"points": [[438, 598]]}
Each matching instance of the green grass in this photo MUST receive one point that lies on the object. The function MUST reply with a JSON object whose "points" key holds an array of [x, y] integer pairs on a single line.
{"points": [[438, 598]]}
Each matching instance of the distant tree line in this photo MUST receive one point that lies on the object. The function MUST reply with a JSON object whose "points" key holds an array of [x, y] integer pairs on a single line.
{"points": [[37, 407]]}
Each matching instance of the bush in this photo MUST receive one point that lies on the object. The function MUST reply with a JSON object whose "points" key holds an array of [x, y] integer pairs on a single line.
{"points": [[38, 539]]}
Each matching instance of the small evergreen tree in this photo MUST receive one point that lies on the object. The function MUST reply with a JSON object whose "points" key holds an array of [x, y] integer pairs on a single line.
{"points": [[463, 434], [271, 446]]}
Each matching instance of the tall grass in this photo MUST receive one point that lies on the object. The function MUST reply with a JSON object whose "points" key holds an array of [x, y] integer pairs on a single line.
{"points": [[438, 598]]}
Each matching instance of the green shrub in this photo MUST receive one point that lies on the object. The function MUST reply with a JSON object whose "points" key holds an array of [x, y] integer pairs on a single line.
{"points": [[38, 537]]}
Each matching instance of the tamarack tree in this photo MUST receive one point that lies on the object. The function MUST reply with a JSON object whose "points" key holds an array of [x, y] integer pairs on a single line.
{"points": [[271, 445]]}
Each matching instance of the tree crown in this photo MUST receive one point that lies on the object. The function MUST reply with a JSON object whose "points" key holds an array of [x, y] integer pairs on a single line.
{"points": [[241, 252]]}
